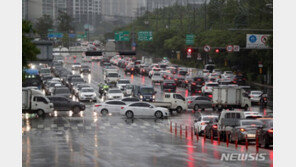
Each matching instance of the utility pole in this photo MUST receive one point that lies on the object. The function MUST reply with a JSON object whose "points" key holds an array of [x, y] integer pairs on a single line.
{"points": [[205, 15]]}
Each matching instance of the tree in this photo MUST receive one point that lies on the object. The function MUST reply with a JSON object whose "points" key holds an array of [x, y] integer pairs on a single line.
{"points": [[64, 22], [29, 50], [43, 24]]}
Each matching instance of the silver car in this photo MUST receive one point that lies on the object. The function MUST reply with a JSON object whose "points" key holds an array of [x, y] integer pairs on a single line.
{"points": [[245, 128], [199, 102]]}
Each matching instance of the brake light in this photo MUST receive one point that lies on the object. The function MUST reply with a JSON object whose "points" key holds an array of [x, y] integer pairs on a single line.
{"points": [[97, 105], [122, 108], [234, 82], [199, 91], [264, 98], [203, 123], [176, 79], [193, 83], [203, 83], [189, 102], [132, 69], [242, 129], [215, 126], [210, 96], [270, 131], [186, 81]]}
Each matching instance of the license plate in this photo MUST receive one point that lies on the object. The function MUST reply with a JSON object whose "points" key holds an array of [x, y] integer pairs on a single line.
{"points": [[251, 135]]}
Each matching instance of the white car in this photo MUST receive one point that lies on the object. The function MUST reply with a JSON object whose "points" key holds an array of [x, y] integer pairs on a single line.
{"points": [[76, 66], [110, 106], [151, 72], [111, 77], [227, 74], [87, 94], [121, 83], [255, 96], [156, 78], [202, 121], [205, 73], [143, 109], [208, 87], [78, 87], [114, 94]]}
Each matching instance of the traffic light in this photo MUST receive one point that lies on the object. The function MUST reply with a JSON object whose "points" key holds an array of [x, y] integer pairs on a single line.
{"points": [[220, 50], [189, 50], [217, 50]]}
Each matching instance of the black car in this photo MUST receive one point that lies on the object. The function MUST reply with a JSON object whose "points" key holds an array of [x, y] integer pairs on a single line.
{"points": [[169, 85], [182, 72], [239, 80], [63, 104], [69, 78], [265, 134], [129, 69], [179, 80], [85, 69], [212, 128], [144, 70], [195, 85], [75, 81], [62, 91]]}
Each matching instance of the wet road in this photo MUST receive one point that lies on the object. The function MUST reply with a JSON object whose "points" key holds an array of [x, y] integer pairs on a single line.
{"points": [[92, 140]]}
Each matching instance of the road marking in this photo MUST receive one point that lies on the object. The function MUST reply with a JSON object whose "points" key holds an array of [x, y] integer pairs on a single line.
{"points": [[40, 126]]}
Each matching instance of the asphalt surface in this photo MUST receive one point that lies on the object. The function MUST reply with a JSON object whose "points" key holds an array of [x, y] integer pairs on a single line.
{"points": [[88, 139]]}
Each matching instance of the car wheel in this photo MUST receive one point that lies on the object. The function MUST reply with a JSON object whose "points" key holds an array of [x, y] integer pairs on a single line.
{"points": [[246, 107], [158, 114], [129, 114], [76, 110], [196, 107], [104, 112], [40, 113], [179, 109]]}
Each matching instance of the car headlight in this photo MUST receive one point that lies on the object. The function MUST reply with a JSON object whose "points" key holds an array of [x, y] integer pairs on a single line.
{"points": [[141, 97], [153, 97]]}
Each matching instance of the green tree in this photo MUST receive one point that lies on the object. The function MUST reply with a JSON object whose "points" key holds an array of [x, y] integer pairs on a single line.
{"points": [[29, 50], [64, 22], [43, 24]]}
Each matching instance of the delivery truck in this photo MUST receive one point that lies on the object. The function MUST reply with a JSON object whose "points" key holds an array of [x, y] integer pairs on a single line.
{"points": [[230, 97], [34, 101]]}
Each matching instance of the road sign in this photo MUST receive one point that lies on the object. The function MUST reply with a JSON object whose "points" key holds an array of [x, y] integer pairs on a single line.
{"points": [[122, 36], [50, 30], [190, 39], [236, 48], [55, 35], [145, 36], [257, 41], [229, 48], [72, 35], [207, 48], [188, 55], [81, 36]]}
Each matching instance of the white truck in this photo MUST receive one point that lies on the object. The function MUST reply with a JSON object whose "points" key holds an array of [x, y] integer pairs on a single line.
{"points": [[230, 97], [111, 77], [34, 101], [172, 101]]}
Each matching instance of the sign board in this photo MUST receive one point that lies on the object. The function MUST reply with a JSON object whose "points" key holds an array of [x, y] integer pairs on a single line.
{"points": [[190, 39], [122, 36], [72, 35], [236, 48], [207, 48], [55, 35], [229, 48], [145, 36], [81, 36], [188, 55], [257, 41], [50, 30]]}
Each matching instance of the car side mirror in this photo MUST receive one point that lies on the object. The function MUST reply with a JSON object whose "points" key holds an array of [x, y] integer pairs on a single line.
{"points": [[195, 121]]}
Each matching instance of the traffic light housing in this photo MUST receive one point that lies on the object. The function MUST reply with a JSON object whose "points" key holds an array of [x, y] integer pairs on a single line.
{"points": [[189, 50], [220, 50], [93, 53], [127, 53]]}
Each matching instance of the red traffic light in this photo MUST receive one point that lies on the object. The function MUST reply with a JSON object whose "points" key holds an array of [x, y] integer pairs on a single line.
{"points": [[189, 50], [217, 50]]}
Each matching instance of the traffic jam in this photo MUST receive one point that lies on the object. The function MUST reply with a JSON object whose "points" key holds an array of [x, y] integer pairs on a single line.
{"points": [[112, 109]]}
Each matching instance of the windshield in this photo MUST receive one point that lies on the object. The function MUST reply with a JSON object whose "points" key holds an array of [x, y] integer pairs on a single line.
{"points": [[129, 87], [115, 91], [62, 91], [112, 75], [123, 82], [214, 119], [45, 71], [77, 80], [257, 93], [257, 123], [212, 85], [147, 90], [87, 90]]}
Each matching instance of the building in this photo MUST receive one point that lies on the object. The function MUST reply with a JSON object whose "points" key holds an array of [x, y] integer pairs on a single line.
{"points": [[53, 7], [86, 11], [31, 9]]}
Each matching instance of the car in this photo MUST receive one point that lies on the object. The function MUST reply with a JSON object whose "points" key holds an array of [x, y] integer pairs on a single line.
{"points": [[87, 94], [153, 70], [50, 86], [129, 69], [62, 91], [179, 80], [173, 70], [255, 96], [169, 85], [199, 102], [78, 87], [144, 69], [205, 73], [75, 81], [208, 87], [239, 80], [110, 106], [145, 93], [227, 74], [265, 134], [156, 78], [129, 90], [225, 81], [211, 128], [114, 94], [44, 71], [245, 129], [61, 103], [76, 66], [252, 115], [85, 69], [183, 72], [121, 83], [196, 84], [144, 109], [202, 121]]}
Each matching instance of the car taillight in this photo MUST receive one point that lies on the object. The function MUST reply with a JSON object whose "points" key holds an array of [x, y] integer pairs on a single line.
{"points": [[122, 108], [264, 98], [215, 126], [186, 81], [270, 131], [234, 82], [203, 123], [242, 129], [176, 79], [189, 102], [193, 83], [203, 83], [199, 91], [132, 69], [210, 96], [97, 105]]}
